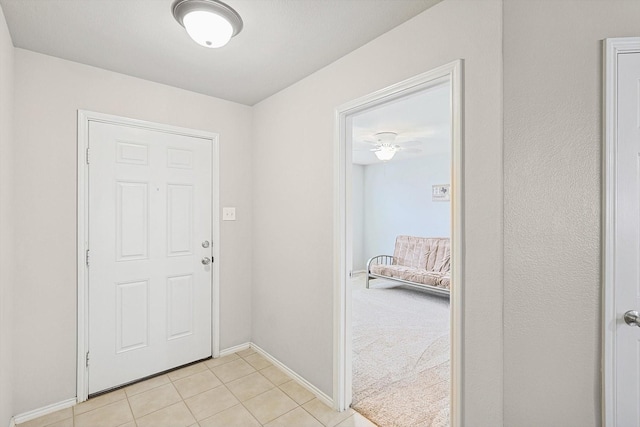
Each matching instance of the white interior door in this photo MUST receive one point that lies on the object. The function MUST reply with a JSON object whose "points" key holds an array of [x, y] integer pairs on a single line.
{"points": [[627, 247], [150, 198]]}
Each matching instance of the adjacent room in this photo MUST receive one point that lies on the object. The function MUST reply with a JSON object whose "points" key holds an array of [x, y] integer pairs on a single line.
{"points": [[401, 209]]}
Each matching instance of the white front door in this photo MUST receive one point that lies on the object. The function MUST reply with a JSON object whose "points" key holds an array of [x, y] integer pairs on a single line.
{"points": [[150, 198], [627, 247]]}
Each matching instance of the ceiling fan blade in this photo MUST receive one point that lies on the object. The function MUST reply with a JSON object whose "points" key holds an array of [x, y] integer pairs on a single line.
{"points": [[364, 141], [361, 145], [420, 134], [409, 143], [411, 150]]}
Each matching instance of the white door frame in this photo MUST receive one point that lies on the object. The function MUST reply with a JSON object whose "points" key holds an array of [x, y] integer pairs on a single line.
{"points": [[84, 117], [342, 381], [612, 48]]}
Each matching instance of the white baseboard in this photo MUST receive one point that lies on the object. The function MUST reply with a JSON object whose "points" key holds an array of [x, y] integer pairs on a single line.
{"points": [[40, 412], [234, 349], [359, 272], [306, 384]]}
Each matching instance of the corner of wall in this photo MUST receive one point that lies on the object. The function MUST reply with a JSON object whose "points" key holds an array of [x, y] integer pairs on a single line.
{"points": [[6, 235]]}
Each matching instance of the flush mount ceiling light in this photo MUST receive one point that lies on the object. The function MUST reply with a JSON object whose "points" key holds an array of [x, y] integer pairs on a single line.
{"points": [[210, 23]]}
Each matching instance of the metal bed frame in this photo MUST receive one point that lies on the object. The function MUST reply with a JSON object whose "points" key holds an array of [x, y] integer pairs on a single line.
{"points": [[388, 260]]}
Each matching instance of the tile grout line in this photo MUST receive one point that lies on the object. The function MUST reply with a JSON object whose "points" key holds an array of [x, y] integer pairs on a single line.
{"points": [[222, 384], [242, 403], [250, 413], [126, 396], [157, 410], [314, 417], [184, 402], [195, 373], [182, 399], [298, 405]]}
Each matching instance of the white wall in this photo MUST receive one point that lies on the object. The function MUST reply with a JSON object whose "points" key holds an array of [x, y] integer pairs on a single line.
{"points": [[293, 189], [553, 147], [357, 200], [6, 222], [397, 200], [48, 93]]}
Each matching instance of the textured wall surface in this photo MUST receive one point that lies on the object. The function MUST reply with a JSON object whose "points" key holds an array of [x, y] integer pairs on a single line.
{"points": [[294, 194], [49, 92], [552, 147], [6, 222]]}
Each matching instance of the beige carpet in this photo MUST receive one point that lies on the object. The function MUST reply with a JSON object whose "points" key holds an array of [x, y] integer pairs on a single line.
{"points": [[401, 367]]}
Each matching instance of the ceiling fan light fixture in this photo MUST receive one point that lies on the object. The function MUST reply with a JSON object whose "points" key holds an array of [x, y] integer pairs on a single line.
{"points": [[210, 23], [385, 138], [385, 153]]}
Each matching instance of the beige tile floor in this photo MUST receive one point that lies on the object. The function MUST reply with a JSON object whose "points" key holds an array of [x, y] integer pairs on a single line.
{"points": [[239, 390]]}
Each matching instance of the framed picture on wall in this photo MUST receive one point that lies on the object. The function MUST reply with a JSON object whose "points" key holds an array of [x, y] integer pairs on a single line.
{"points": [[441, 193]]}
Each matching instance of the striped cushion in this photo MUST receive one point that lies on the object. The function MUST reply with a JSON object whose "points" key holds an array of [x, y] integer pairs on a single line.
{"points": [[432, 254], [410, 251]]}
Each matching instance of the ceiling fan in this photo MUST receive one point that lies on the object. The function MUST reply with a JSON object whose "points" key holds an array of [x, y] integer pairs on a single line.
{"points": [[386, 145]]}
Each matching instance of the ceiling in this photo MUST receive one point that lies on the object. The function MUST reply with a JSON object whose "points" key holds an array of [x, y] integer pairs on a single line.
{"points": [[282, 41], [422, 122]]}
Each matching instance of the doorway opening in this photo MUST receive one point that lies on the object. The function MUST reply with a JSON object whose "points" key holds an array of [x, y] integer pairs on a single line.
{"points": [[401, 212], [445, 80]]}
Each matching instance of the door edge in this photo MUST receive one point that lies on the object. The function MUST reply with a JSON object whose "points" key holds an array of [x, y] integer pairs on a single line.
{"points": [[612, 47]]}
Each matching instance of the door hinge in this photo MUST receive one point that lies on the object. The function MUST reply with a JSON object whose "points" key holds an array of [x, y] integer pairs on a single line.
{"points": [[87, 257], [88, 155], [87, 359]]}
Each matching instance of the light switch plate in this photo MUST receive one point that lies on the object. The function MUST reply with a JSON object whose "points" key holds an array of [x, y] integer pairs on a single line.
{"points": [[228, 214]]}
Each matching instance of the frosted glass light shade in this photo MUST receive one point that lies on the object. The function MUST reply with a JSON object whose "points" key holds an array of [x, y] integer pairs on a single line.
{"points": [[385, 153], [210, 23], [208, 29]]}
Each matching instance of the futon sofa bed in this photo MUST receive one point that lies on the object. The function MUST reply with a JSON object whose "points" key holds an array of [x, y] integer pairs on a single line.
{"points": [[421, 262]]}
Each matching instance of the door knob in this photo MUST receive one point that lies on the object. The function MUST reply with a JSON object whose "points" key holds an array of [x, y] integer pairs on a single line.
{"points": [[632, 318], [206, 260]]}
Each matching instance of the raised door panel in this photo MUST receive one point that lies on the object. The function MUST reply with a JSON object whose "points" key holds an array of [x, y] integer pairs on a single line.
{"points": [[179, 306], [132, 315], [132, 153], [179, 219], [179, 159], [132, 221]]}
